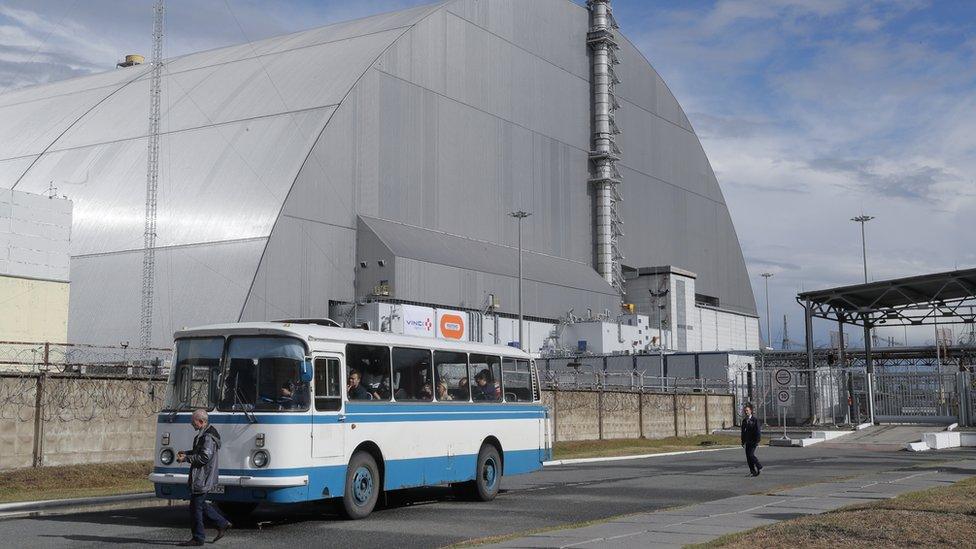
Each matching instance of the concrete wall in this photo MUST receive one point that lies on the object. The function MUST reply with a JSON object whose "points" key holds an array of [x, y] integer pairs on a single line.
{"points": [[83, 420], [91, 419], [593, 415]]}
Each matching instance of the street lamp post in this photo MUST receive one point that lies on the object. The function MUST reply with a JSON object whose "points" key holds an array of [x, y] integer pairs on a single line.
{"points": [[868, 362], [769, 335], [520, 215], [862, 219]]}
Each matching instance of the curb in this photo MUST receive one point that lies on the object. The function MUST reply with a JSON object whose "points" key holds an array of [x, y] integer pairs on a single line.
{"points": [[637, 456], [21, 508]]}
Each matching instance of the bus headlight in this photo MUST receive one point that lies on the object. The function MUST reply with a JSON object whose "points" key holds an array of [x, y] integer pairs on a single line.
{"points": [[260, 459], [166, 456]]}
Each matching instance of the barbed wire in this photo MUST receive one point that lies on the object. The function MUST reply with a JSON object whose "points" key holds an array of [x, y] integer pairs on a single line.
{"points": [[76, 382]]}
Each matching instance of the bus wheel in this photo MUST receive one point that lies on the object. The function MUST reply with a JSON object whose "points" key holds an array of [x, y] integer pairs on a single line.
{"points": [[362, 486], [488, 472], [236, 511]]}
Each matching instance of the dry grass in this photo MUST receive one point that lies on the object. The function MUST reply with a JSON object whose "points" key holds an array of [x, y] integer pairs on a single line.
{"points": [[937, 517], [626, 447], [75, 481]]}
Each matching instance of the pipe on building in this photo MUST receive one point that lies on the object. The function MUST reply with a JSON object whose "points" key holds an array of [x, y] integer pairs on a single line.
{"points": [[605, 153]]}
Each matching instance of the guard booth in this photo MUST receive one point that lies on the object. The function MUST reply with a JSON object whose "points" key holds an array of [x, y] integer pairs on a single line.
{"points": [[939, 392]]}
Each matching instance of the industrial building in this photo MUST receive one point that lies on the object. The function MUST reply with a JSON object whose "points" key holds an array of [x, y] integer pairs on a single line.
{"points": [[370, 165], [35, 232]]}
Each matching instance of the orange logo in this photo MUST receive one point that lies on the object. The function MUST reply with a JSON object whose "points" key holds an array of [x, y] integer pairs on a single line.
{"points": [[452, 326]]}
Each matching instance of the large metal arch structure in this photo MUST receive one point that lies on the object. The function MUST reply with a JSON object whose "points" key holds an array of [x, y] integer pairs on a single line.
{"points": [[440, 119]]}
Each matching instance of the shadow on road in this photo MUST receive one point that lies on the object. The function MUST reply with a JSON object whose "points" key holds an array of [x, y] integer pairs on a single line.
{"points": [[266, 516], [110, 539]]}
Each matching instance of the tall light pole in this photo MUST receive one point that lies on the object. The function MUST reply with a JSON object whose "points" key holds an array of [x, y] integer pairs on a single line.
{"points": [[520, 215], [862, 219], [769, 335]]}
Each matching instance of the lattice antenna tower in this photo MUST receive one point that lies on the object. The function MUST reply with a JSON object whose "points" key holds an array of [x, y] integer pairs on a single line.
{"points": [[152, 175]]}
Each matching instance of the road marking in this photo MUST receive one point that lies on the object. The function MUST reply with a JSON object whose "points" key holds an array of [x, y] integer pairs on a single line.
{"points": [[623, 458]]}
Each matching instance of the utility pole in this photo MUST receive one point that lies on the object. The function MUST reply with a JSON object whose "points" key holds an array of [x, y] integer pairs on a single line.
{"points": [[769, 334], [862, 219], [152, 177], [520, 215]]}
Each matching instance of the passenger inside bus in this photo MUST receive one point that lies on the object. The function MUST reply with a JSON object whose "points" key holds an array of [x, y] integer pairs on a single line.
{"points": [[484, 389], [354, 389], [442, 393]]}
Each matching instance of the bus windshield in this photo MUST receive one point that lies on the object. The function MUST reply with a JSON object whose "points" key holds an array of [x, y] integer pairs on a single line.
{"points": [[193, 379], [264, 374]]}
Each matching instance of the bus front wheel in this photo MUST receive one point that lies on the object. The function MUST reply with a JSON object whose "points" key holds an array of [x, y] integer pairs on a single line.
{"points": [[362, 486], [488, 476]]}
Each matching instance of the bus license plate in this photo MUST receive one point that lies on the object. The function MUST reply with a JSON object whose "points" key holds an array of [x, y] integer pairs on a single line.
{"points": [[217, 490]]}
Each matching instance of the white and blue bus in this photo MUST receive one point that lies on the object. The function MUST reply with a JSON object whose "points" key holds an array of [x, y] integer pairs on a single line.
{"points": [[309, 411]]}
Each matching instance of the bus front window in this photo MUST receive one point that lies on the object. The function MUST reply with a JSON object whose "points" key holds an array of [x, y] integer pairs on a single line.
{"points": [[264, 374], [193, 379]]}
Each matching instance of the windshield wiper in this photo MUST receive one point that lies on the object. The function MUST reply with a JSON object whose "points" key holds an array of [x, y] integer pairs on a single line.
{"points": [[179, 408], [239, 399]]}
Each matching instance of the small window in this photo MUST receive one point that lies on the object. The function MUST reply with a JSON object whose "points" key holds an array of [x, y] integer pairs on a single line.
{"points": [[518, 380], [368, 375], [328, 395], [486, 378], [412, 377], [451, 376]]}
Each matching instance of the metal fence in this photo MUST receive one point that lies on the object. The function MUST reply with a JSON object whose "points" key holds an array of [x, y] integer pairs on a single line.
{"points": [[622, 373], [27, 356]]}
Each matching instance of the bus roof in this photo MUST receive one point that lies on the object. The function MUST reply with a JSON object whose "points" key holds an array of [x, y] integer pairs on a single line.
{"points": [[314, 332]]}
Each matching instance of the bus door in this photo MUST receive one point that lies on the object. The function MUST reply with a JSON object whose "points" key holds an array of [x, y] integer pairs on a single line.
{"points": [[328, 415]]}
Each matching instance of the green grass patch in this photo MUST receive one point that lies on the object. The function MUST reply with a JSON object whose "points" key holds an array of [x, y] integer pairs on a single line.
{"points": [[631, 446], [75, 481], [944, 516]]}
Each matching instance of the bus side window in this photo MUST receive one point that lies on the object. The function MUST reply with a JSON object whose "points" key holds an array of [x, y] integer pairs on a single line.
{"points": [[328, 388], [486, 378], [451, 371], [518, 380], [412, 378], [372, 363]]}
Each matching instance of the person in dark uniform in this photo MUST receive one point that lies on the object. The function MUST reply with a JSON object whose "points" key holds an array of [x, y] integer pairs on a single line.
{"points": [[751, 435], [355, 390]]}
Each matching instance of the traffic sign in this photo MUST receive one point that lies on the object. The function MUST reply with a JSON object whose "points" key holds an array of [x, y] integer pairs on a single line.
{"points": [[783, 388], [783, 377]]}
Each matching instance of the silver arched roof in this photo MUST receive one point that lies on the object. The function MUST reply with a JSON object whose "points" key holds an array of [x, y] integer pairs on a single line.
{"points": [[441, 118]]}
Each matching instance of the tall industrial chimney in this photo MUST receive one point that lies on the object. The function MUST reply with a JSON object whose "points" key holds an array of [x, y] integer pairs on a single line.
{"points": [[603, 157]]}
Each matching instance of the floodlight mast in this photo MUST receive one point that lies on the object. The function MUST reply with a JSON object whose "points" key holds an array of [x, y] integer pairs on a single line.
{"points": [[862, 219], [152, 177]]}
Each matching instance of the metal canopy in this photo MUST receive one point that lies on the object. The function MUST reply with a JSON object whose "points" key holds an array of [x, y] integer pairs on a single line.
{"points": [[938, 298]]}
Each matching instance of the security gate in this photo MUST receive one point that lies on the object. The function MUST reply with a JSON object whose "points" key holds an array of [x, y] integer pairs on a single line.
{"points": [[913, 397]]}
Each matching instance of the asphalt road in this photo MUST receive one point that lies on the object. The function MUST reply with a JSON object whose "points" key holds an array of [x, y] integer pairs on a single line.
{"points": [[433, 518]]}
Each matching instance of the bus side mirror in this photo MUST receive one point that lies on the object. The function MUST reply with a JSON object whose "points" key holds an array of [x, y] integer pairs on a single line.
{"points": [[307, 371]]}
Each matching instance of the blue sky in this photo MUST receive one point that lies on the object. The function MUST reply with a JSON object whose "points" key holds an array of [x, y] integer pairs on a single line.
{"points": [[811, 112]]}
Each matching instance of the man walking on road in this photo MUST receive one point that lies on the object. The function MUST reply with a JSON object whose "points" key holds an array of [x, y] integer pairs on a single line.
{"points": [[751, 435], [203, 478]]}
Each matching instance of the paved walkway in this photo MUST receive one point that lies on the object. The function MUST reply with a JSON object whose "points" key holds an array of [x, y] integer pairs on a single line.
{"points": [[707, 521]]}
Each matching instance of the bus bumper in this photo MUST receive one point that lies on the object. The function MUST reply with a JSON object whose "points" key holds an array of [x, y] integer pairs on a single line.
{"points": [[234, 480]]}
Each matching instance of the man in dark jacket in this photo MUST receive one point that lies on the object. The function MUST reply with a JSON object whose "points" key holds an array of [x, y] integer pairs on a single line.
{"points": [[203, 478], [751, 435]]}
